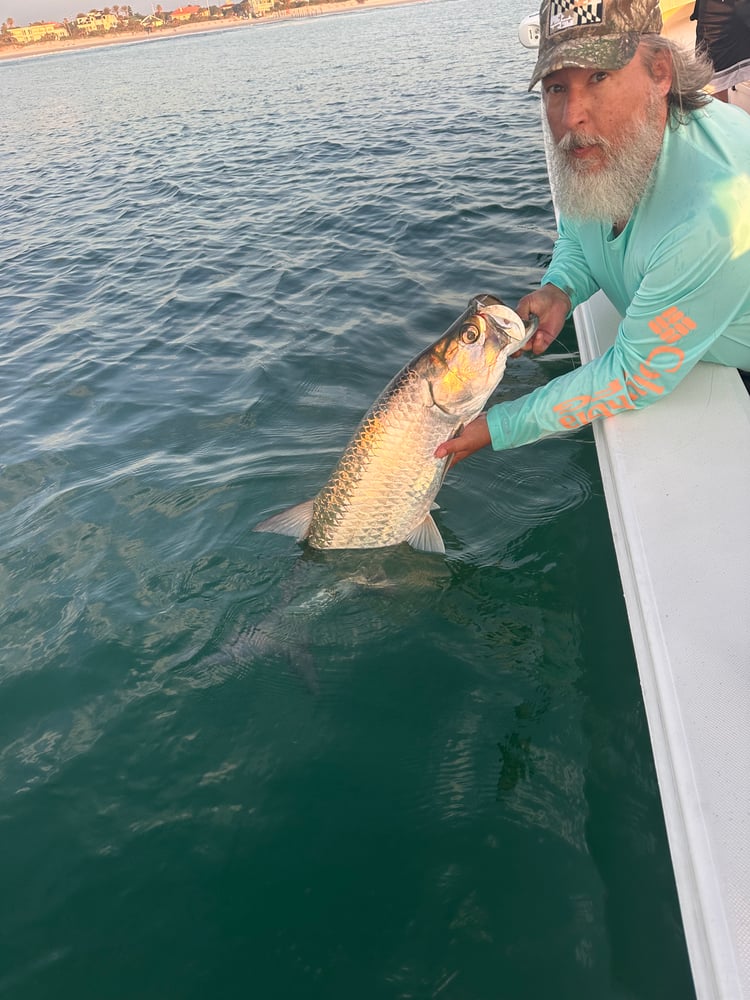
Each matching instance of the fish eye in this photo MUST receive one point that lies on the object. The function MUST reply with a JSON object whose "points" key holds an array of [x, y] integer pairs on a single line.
{"points": [[470, 333]]}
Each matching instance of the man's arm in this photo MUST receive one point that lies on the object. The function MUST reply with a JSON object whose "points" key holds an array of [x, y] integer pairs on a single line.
{"points": [[690, 294], [566, 284], [569, 268]]}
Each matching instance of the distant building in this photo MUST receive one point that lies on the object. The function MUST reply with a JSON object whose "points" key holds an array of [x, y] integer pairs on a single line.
{"points": [[182, 14], [261, 7], [96, 20], [43, 31]]}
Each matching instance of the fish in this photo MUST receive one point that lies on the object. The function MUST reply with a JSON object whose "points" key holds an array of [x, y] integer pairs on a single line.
{"points": [[383, 488]]}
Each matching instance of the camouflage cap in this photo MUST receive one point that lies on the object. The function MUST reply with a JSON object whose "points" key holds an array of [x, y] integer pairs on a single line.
{"points": [[592, 34]]}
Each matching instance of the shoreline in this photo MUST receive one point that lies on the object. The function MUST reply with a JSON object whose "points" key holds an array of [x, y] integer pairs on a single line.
{"points": [[196, 27]]}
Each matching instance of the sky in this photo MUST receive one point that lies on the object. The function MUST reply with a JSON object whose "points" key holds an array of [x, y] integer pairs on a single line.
{"points": [[26, 11]]}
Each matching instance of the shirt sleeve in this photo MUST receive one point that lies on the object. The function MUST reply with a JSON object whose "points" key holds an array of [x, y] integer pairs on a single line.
{"points": [[569, 269], [694, 286]]}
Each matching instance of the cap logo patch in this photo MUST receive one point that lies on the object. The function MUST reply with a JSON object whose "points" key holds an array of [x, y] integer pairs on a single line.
{"points": [[574, 13]]}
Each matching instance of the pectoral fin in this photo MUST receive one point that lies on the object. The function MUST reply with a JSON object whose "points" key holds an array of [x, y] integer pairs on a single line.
{"points": [[426, 537], [294, 521]]}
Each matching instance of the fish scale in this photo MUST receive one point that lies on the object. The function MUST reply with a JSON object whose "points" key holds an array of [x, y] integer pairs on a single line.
{"points": [[399, 494]]}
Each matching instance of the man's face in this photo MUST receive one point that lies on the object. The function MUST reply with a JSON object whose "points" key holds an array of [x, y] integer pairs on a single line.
{"points": [[594, 104], [606, 128]]}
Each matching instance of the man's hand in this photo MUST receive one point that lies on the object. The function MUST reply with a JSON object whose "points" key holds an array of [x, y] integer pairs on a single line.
{"points": [[551, 305], [474, 436]]}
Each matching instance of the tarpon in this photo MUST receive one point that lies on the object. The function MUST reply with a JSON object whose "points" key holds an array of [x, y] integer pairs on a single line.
{"points": [[385, 483]]}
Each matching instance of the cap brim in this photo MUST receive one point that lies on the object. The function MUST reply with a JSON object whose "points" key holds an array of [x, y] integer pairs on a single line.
{"points": [[612, 52]]}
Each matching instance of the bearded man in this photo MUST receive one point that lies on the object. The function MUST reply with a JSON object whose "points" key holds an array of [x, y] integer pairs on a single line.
{"points": [[651, 179]]}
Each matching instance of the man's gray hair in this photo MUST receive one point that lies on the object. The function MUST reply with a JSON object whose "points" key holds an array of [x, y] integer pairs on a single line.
{"points": [[691, 71]]}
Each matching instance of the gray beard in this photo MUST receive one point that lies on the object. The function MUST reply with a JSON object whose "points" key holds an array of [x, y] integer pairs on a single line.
{"points": [[611, 192]]}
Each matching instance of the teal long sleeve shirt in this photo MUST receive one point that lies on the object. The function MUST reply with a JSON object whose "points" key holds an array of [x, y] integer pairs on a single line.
{"points": [[678, 274]]}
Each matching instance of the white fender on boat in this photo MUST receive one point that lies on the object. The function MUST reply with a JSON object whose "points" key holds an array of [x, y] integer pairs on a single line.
{"points": [[528, 32]]}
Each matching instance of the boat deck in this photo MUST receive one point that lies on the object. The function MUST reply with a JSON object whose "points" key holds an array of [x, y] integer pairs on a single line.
{"points": [[677, 484]]}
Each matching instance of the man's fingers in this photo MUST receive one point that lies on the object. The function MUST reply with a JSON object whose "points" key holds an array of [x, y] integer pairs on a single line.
{"points": [[446, 448], [474, 436]]}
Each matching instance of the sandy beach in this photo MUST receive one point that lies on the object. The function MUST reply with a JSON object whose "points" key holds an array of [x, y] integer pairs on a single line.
{"points": [[159, 34]]}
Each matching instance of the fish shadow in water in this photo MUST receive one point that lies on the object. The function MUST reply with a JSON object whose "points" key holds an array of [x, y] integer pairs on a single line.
{"points": [[334, 600]]}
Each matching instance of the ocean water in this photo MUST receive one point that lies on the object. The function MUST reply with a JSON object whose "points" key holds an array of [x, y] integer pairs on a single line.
{"points": [[231, 766]]}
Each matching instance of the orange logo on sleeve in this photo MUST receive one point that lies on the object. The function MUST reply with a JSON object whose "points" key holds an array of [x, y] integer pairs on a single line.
{"points": [[646, 380], [581, 410], [671, 325]]}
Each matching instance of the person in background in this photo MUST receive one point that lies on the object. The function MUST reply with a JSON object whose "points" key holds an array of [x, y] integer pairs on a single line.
{"points": [[651, 179], [723, 33]]}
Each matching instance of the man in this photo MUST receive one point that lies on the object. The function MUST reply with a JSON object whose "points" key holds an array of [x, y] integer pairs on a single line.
{"points": [[652, 183]]}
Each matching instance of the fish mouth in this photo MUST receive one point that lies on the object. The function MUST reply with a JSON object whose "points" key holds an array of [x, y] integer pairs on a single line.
{"points": [[529, 329], [513, 327]]}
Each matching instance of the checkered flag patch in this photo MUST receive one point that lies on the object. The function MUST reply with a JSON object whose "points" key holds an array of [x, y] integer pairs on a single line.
{"points": [[574, 13]]}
